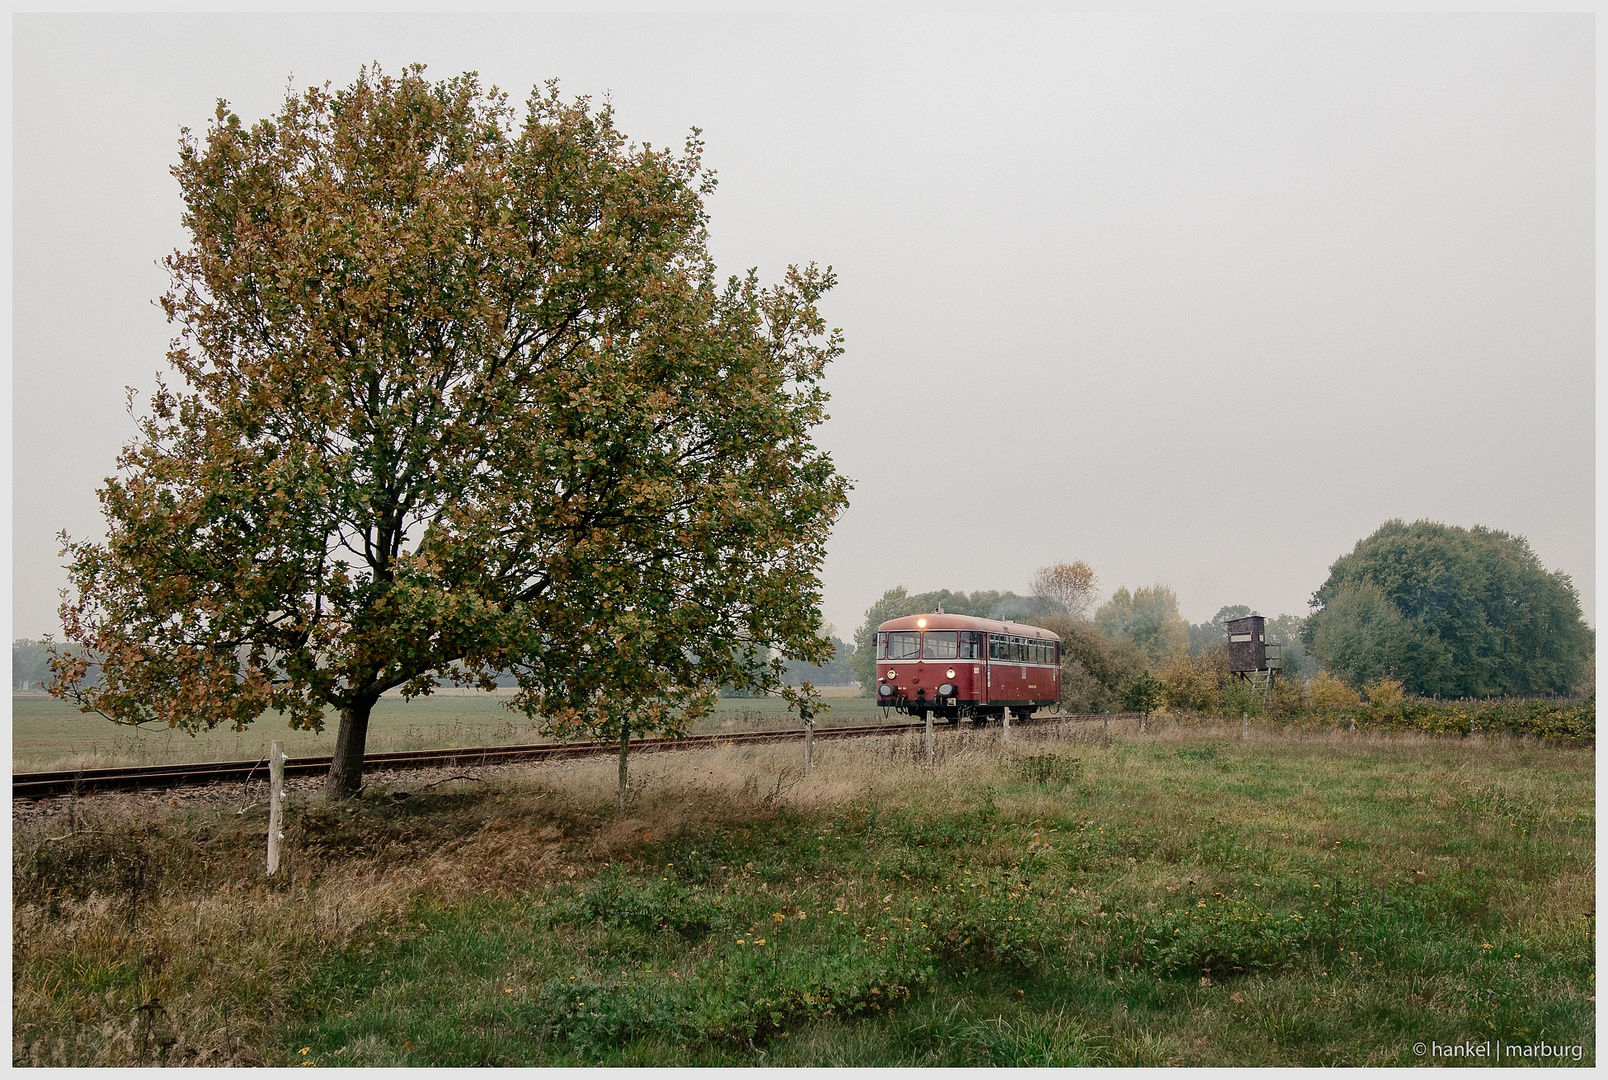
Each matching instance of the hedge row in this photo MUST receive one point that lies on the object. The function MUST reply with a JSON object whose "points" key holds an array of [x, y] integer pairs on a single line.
{"points": [[1571, 722]]}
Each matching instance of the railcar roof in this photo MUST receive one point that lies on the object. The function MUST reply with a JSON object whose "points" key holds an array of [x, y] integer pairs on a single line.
{"points": [[967, 622]]}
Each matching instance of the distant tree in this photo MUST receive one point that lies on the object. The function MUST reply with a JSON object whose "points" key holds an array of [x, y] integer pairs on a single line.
{"points": [[1063, 586], [30, 664], [1206, 636], [464, 396], [1362, 637], [837, 671], [1449, 611], [1285, 631], [1148, 618]]}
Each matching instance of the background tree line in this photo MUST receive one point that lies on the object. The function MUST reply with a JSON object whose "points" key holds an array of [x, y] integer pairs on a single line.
{"points": [[1418, 610]]}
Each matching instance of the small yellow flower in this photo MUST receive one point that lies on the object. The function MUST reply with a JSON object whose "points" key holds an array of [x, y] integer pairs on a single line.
{"points": [[761, 941], [801, 914], [778, 917], [304, 1050], [1487, 945]]}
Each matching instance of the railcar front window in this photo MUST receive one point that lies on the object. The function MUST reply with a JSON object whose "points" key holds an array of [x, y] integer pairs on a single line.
{"points": [[940, 645], [904, 646]]}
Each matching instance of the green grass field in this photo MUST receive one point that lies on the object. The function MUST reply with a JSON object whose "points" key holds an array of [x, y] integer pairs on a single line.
{"points": [[49, 735], [1181, 897]]}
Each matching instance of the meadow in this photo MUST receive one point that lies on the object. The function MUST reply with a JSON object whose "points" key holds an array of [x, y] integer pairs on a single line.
{"points": [[49, 735], [1178, 897]]}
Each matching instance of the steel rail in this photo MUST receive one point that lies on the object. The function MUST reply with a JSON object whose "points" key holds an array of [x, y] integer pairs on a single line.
{"points": [[38, 785]]}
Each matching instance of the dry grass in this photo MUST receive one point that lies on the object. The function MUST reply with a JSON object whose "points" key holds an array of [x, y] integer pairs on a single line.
{"points": [[159, 941]]}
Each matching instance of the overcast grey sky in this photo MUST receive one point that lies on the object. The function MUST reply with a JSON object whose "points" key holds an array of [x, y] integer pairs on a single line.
{"points": [[1199, 300]]}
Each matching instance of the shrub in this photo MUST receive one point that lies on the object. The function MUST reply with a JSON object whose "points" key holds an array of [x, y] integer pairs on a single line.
{"points": [[1142, 694], [1095, 671], [1195, 682], [1384, 692], [1557, 721], [1325, 692], [1238, 696]]}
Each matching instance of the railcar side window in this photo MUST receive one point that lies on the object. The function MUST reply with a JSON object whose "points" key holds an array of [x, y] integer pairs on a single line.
{"points": [[969, 640], [999, 647], [939, 645], [904, 645]]}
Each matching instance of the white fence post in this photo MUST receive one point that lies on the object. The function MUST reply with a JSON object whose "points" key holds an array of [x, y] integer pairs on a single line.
{"points": [[276, 804], [1005, 730]]}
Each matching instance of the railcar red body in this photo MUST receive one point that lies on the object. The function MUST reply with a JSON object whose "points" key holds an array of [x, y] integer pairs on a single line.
{"points": [[957, 666]]}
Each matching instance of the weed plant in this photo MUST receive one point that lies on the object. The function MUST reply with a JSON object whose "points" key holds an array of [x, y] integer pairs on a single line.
{"points": [[1178, 897]]}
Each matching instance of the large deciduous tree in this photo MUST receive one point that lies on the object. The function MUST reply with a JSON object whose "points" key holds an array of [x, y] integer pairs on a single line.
{"points": [[1450, 611], [462, 396]]}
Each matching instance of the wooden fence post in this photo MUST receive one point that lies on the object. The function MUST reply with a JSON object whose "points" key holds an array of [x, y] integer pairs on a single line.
{"points": [[1245, 726], [1005, 728], [929, 740], [809, 746], [276, 804]]}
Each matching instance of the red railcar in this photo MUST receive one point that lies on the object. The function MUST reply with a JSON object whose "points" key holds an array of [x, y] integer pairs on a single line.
{"points": [[955, 666]]}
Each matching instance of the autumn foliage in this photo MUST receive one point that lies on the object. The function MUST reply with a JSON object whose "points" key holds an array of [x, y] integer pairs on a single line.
{"points": [[461, 395]]}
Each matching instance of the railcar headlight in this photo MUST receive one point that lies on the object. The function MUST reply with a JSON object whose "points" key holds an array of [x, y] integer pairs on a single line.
{"points": [[892, 674], [950, 674], [885, 690], [946, 690]]}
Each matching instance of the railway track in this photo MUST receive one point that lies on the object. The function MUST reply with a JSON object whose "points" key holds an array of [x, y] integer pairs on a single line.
{"points": [[38, 785]]}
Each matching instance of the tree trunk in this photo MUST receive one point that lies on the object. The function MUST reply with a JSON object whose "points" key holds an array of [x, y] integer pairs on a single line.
{"points": [[346, 771], [625, 747]]}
